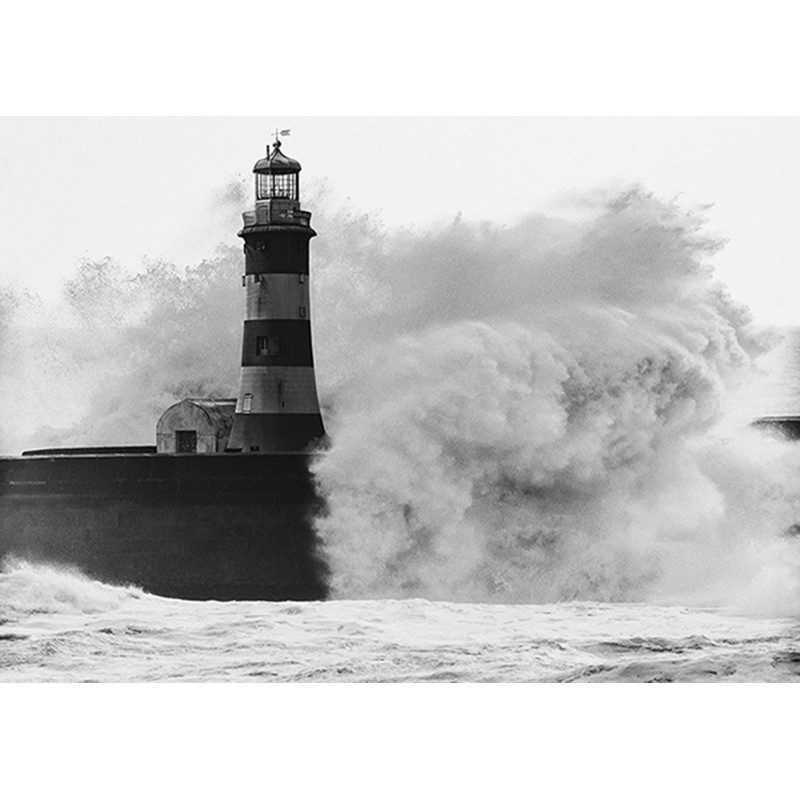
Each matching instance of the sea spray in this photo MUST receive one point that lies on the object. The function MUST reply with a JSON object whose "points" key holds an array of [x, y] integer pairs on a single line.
{"points": [[102, 367], [527, 412], [38, 588], [534, 417]]}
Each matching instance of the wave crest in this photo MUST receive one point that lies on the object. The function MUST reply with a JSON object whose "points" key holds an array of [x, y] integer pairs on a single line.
{"points": [[39, 588], [536, 417]]}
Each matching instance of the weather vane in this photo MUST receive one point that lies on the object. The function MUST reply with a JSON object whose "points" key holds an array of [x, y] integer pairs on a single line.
{"points": [[283, 132]]}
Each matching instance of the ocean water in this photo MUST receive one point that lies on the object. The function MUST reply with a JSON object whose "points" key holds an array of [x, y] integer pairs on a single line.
{"points": [[59, 626], [541, 468]]}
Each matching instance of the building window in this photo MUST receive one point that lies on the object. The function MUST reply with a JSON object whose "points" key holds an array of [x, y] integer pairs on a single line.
{"points": [[247, 404], [185, 441], [268, 346]]}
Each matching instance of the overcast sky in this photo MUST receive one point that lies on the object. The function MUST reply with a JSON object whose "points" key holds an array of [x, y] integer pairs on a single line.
{"points": [[134, 187]]}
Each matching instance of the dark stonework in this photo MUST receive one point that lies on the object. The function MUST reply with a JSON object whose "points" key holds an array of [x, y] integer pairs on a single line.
{"points": [[190, 526]]}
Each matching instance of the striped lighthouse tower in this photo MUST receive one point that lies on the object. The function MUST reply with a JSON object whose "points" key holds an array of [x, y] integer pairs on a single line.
{"points": [[277, 409]]}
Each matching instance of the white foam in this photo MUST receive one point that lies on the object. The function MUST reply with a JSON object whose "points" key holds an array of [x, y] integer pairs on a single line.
{"points": [[40, 588]]}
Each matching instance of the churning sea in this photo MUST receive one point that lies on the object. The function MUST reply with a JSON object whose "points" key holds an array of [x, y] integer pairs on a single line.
{"points": [[58, 625], [61, 626], [568, 460]]}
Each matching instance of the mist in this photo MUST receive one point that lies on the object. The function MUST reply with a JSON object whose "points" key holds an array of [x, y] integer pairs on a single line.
{"points": [[531, 412], [544, 411]]}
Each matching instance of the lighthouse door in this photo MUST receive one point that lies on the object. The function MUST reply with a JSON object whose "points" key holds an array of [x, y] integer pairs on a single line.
{"points": [[185, 441]]}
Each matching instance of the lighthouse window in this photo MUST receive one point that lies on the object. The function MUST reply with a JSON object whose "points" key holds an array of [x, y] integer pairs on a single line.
{"points": [[268, 345], [282, 186], [268, 186]]}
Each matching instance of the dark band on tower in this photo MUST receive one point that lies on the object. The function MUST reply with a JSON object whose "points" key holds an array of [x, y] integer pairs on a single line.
{"points": [[277, 409]]}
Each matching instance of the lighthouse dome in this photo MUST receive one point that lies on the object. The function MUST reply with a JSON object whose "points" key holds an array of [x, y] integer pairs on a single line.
{"points": [[276, 163]]}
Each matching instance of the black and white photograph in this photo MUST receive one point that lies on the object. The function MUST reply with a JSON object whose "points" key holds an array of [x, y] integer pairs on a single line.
{"points": [[339, 401], [375, 383]]}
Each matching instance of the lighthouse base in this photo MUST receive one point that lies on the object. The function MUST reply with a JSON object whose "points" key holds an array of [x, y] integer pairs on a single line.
{"points": [[275, 433]]}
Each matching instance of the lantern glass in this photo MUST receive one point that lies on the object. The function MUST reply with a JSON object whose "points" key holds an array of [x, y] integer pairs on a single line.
{"points": [[270, 186]]}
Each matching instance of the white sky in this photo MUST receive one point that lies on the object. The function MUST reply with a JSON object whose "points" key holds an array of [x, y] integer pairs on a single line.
{"points": [[134, 187]]}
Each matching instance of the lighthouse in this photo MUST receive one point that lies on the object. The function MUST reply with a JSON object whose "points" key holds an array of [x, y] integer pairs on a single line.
{"points": [[277, 408]]}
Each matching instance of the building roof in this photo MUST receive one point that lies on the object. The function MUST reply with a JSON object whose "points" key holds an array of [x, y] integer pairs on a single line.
{"points": [[276, 163], [217, 412]]}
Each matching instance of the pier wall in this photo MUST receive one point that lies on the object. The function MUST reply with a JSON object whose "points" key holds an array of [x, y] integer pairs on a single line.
{"points": [[211, 526]]}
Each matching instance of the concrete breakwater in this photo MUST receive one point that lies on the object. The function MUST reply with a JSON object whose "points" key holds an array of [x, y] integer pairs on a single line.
{"points": [[211, 526]]}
